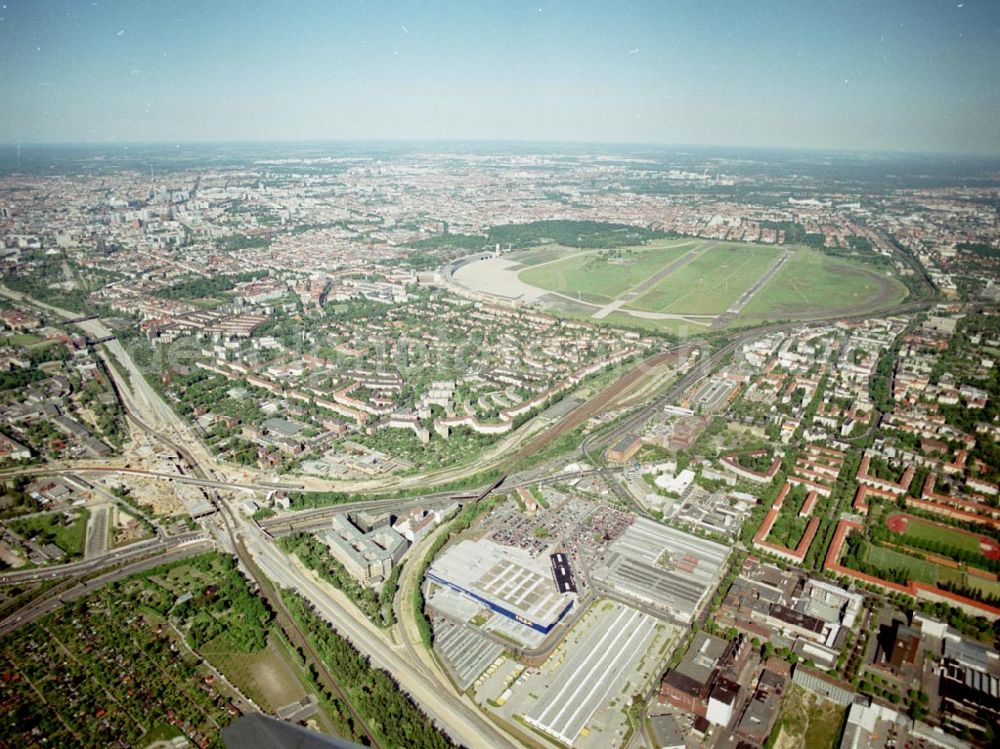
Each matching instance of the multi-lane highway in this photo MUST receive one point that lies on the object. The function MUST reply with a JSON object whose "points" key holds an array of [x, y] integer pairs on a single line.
{"points": [[177, 478], [154, 547], [255, 547], [454, 714], [458, 718], [319, 517]]}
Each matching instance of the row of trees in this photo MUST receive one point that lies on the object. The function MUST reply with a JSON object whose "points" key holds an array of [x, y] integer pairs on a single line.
{"points": [[881, 382], [968, 591], [983, 250], [314, 554], [389, 712], [934, 546], [460, 523]]}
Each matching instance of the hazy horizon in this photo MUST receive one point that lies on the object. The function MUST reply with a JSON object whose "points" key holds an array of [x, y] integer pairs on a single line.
{"points": [[403, 140], [893, 77]]}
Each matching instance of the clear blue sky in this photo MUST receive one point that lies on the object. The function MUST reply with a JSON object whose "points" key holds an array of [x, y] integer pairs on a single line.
{"points": [[885, 74]]}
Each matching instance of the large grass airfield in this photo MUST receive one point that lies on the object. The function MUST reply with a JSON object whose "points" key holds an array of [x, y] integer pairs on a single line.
{"points": [[687, 286]]}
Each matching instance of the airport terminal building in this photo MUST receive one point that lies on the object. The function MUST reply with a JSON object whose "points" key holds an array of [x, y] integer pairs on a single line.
{"points": [[506, 580]]}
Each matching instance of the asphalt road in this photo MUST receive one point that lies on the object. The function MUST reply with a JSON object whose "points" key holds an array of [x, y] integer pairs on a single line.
{"points": [[462, 721], [50, 602], [132, 552], [457, 715]]}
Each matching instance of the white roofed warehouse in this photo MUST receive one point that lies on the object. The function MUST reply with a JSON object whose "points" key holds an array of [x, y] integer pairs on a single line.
{"points": [[506, 580]]}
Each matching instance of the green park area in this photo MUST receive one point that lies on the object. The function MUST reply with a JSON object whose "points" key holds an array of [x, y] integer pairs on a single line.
{"points": [[712, 281], [271, 677], [598, 276]]}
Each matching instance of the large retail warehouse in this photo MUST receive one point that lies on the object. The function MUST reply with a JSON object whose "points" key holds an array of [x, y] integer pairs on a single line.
{"points": [[506, 580]]}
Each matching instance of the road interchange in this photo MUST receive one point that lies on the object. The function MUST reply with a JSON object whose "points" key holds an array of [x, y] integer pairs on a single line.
{"points": [[412, 666]]}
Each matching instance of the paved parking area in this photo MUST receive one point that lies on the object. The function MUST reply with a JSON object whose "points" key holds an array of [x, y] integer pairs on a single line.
{"points": [[98, 531], [466, 653], [592, 679]]}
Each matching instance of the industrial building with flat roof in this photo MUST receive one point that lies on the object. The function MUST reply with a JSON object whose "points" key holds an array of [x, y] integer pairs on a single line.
{"points": [[663, 568], [704, 682], [505, 579]]}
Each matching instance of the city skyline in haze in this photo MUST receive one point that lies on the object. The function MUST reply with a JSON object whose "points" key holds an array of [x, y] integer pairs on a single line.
{"points": [[895, 76]]}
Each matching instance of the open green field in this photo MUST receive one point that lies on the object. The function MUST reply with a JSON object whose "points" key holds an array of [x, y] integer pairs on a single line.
{"points": [[808, 722], [22, 339], [811, 282], [543, 254], [700, 281], [52, 527], [890, 559], [268, 676], [711, 282], [681, 328], [598, 276]]}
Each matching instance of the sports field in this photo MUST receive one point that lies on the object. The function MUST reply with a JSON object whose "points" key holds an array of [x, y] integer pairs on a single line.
{"points": [[711, 282], [918, 528], [812, 282], [599, 276], [929, 572]]}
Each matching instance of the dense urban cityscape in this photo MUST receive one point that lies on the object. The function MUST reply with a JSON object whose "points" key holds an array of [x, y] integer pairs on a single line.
{"points": [[565, 375], [581, 447]]}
